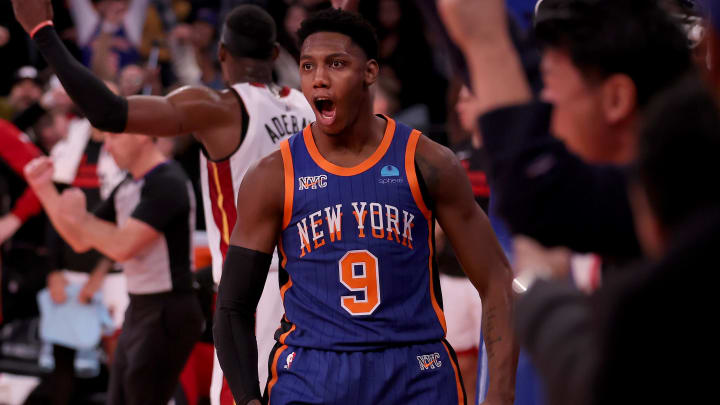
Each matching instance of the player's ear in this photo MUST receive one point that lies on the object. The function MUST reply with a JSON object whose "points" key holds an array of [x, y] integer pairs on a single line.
{"points": [[372, 70]]}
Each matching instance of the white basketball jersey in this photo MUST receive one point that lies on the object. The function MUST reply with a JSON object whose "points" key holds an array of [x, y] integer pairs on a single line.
{"points": [[273, 116]]}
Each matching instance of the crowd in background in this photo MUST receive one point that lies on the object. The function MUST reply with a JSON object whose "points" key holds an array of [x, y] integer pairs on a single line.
{"points": [[156, 46]]}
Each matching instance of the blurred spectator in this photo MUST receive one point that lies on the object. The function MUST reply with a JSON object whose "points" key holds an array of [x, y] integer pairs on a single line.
{"points": [[54, 100], [597, 78], [117, 24], [194, 49], [26, 90], [606, 349], [405, 55]]}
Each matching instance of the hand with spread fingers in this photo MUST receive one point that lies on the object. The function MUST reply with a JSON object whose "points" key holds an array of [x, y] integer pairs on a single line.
{"points": [[30, 13]]}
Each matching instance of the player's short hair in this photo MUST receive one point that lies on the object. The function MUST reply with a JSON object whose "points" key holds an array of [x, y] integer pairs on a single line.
{"points": [[678, 148], [344, 22], [249, 32], [604, 37]]}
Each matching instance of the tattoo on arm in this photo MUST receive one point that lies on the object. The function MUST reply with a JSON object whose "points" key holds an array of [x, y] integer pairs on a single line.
{"points": [[491, 338]]}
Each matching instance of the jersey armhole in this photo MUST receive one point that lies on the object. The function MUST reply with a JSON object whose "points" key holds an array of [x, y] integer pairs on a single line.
{"points": [[415, 181], [245, 118]]}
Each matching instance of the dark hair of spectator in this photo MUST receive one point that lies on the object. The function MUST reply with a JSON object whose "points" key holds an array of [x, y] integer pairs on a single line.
{"points": [[678, 149], [634, 37], [249, 32], [351, 24]]}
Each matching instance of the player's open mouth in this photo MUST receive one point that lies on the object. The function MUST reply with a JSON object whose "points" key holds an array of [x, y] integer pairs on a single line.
{"points": [[326, 109]]}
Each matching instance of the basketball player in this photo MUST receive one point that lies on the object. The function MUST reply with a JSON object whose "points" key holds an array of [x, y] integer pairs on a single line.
{"points": [[235, 126], [352, 220]]}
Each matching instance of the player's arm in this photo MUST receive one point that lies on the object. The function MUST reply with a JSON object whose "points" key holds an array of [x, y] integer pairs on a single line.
{"points": [[259, 219], [188, 110], [479, 252]]}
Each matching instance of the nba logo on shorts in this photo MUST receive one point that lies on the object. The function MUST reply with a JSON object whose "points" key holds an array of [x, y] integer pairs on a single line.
{"points": [[289, 360], [429, 361]]}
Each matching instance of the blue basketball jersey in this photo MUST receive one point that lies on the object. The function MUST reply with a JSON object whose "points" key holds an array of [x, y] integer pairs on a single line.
{"points": [[357, 267]]}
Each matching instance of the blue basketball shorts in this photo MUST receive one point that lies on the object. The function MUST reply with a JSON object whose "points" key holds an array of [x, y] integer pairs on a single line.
{"points": [[424, 373]]}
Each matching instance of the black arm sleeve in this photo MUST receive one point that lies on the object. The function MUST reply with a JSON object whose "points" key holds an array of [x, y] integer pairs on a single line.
{"points": [[544, 191], [242, 282], [105, 110]]}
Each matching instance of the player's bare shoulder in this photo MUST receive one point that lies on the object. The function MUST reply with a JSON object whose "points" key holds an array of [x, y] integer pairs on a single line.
{"points": [[437, 164]]}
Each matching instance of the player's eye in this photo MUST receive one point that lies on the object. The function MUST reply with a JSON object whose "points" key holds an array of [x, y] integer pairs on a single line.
{"points": [[337, 64], [307, 66]]}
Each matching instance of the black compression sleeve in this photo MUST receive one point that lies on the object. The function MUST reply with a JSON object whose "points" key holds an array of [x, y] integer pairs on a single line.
{"points": [[104, 109], [242, 282]]}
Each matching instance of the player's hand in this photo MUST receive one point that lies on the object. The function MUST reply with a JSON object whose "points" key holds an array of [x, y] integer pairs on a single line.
{"points": [[73, 205], [9, 224], [473, 21], [39, 172], [56, 283], [30, 13]]}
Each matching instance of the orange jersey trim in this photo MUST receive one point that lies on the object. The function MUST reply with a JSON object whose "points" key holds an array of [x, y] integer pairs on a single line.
{"points": [[417, 196], [289, 174], [274, 378], [285, 335], [350, 171], [461, 396], [410, 172]]}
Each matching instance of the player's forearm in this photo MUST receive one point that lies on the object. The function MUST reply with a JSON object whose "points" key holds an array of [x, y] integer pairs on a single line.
{"points": [[242, 282], [502, 349], [104, 109]]}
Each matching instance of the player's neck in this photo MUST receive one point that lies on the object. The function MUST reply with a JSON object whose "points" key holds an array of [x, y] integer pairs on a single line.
{"points": [[364, 134], [250, 73], [149, 158]]}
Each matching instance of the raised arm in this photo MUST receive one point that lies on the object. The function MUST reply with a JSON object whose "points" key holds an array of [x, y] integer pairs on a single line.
{"points": [[480, 29], [81, 229], [259, 221], [208, 114], [481, 257]]}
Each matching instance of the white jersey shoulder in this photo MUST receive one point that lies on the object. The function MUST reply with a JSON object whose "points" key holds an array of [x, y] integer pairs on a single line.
{"points": [[274, 114]]}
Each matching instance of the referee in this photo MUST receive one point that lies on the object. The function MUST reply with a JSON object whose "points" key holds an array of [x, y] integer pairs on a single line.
{"points": [[146, 223]]}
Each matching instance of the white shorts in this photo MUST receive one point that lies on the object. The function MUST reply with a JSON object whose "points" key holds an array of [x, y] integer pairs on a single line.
{"points": [[463, 312], [267, 320], [114, 293]]}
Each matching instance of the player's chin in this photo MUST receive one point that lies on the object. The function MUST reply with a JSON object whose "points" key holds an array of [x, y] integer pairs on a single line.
{"points": [[330, 129]]}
